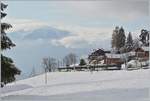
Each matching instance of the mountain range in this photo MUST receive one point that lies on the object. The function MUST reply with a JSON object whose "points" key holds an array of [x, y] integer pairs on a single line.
{"points": [[44, 32]]}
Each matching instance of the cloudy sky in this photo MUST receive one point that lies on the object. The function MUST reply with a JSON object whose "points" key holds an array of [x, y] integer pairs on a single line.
{"points": [[89, 23]]}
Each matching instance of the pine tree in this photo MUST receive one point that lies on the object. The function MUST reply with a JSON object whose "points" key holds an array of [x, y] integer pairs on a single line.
{"points": [[82, 62], [121, 38], [114, 37], [129, 42], [144, 37], [8, 69], [118, 38]]}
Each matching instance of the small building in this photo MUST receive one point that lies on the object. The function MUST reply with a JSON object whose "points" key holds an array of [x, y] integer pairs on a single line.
{"points": [[113, 59], [142, 53], [100, 56], [146, 50], [97, 55]]}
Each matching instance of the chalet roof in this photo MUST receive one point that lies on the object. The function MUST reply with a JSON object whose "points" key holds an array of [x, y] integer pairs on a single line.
{"points": [[138, 49], [99, 49], [97, 52], [113, 55], [130, 53], [145, 48], [120, 55], [107, 51]]}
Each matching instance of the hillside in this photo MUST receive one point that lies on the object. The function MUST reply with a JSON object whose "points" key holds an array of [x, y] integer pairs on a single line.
{"points": [[82, 86]]}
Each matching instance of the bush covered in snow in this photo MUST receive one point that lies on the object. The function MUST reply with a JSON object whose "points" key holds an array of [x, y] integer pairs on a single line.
{"points": [[134, 64]]}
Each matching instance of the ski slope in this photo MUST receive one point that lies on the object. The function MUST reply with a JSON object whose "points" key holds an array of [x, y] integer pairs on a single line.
{"points": [[115, 85]]}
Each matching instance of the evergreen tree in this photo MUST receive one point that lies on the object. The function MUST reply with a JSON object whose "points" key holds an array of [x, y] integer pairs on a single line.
{"points": [[144, 37], [121, 38], [82, 62], [129, 42], [136, 43], [129, 39], [114, 37], [118, 38], [8, 69]]}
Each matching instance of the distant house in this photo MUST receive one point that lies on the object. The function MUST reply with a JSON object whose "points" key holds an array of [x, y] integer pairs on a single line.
{"points": [[113, 59], [142, 53], [101, 56], [97, 55]]}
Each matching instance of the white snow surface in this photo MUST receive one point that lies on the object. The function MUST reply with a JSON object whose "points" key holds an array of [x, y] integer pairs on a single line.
{"points": [[117, 85]]}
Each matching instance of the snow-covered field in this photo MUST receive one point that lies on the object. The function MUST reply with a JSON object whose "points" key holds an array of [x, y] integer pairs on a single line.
{"points": [[116, 85]]}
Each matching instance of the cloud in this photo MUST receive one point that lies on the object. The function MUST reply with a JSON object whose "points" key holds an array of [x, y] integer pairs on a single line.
{"points": [[82, 37], [78, 37], [24, 25], [70, 42]]}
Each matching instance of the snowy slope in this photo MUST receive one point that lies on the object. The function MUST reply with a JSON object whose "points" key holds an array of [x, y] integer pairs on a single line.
{"points": [[62, 86]]}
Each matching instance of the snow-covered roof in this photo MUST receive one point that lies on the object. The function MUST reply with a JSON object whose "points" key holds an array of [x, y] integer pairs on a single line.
{"points": [[74, 65], [145, 48], [114, 55], [62, 66], [130, 53], [120, 55]]}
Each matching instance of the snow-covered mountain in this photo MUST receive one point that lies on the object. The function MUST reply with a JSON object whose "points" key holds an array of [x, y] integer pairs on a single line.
{"points": [[46, 33], [82, 86], [43, 32]]}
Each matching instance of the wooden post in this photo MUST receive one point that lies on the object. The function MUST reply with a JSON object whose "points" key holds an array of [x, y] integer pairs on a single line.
{"points": [[45, 76], [74, 67]]}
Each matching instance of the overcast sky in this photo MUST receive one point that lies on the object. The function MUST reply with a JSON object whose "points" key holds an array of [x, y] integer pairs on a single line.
{"points": [[81, 17], [80, 13]]}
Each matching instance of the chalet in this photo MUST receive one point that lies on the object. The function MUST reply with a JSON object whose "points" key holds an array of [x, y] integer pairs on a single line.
{"points": [[142, 53], [97, 55], [113, 59], [100, 57]]}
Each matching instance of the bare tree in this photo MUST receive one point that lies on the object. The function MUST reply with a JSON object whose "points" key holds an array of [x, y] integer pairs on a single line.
{"points": [[45, 66], [49, 65], [66, 61], [58, 63], [33, 72], [70, 59]]}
